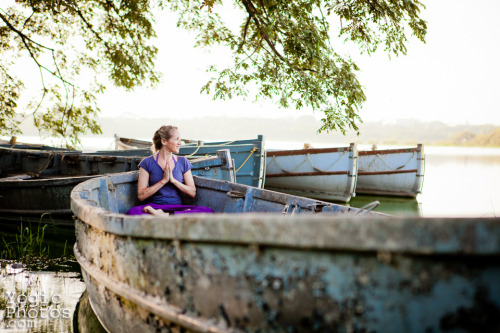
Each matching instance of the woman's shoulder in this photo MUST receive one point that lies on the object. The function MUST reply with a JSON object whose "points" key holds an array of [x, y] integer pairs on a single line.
{"points": [[184, 161], [149, 158], [146, 161]]}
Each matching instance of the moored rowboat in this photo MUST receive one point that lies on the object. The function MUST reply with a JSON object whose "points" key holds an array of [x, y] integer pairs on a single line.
{"points": [[393, 172], [129, 143], [144, 273], [38, 181], [322, 173], [293, 270]]}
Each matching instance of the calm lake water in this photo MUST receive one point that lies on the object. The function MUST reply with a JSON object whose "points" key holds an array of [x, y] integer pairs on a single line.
{"points": [[47, 296]]}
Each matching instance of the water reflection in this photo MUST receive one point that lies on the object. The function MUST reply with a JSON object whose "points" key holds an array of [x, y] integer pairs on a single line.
{"points": [[86, 320], [38, 301], [43, 296], [461, 182], [390, 205]]}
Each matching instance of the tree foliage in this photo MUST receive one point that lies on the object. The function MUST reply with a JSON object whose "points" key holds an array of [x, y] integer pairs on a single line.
{"points": [[282, 50], [71, 44]]}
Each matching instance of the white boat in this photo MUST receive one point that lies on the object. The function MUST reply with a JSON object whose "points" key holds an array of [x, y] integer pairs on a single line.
{"points": [[394, 172], [321, 173]]}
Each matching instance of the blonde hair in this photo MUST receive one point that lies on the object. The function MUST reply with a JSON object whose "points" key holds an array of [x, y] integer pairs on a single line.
{"points": [[165, 133]]}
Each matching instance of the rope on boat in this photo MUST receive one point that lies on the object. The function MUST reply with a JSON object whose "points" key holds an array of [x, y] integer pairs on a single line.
{"points": [[340, 157], [310, 162], [198, 148], [221, 144], [229, 142], [388, 166], [44, 167], [249, 155], [283, 169]]}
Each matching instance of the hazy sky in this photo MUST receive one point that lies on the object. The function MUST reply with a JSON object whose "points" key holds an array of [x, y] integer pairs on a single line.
{"points": [[454, 77]]}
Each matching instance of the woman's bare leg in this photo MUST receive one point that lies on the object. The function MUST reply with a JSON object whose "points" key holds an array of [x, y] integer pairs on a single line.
{"points": [[152, 211]]}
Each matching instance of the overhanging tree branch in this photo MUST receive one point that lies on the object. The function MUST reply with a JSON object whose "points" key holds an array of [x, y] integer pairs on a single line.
{"points": [[26, 42], [252, 12]]}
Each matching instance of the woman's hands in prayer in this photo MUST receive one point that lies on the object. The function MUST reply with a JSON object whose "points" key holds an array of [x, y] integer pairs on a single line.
{"points": [[168, 175]]}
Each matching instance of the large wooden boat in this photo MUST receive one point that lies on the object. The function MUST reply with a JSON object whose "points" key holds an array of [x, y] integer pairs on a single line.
{"points": [[322, 173], [393, 172], [248, 155], [266, 262], [39, 181]]}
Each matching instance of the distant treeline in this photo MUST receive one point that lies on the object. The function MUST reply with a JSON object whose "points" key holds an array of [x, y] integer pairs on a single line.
{"points": [[467, 138], [304, 129]]}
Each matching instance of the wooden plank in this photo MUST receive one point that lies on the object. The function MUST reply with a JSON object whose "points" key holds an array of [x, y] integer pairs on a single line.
{"points": [[387, 172], [306, 151], [315, 173]]}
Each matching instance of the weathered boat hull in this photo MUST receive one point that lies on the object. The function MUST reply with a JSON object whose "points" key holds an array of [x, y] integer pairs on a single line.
{"points": [[37, 182], [393, 172], [248, 155], [327, 174], [277, 272]]}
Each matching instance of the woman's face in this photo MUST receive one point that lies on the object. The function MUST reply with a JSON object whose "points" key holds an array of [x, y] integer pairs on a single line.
{"points": [[173, 144]]}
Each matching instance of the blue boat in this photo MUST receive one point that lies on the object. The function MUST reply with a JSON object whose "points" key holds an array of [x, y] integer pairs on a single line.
{"points": [[272, 262], [40, 181], [248, 155]]}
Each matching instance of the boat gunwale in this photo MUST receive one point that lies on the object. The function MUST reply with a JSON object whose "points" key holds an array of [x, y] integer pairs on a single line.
{"points": [[388, 151], [396, 194], [386, 172], [313, 173], [57, 180], [302, 231], [321, 195], [307, 151]]}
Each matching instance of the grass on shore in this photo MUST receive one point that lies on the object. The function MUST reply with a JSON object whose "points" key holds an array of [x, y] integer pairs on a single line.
{"points": [[30, 246]]}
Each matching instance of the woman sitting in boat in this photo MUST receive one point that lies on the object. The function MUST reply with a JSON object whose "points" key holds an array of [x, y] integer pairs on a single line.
{"points": [[164, 177]]}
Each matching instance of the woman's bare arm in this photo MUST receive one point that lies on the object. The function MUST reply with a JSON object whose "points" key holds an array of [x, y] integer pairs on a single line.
{"points": [[188, 186], [143, 191]]}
